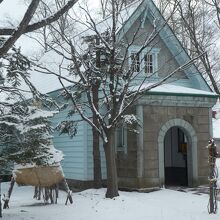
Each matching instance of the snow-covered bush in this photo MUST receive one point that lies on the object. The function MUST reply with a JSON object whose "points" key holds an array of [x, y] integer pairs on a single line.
{"points": [[26, 135]]}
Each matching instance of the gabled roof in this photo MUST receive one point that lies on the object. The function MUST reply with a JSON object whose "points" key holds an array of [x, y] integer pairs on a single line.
{"points": [[149, 9]]}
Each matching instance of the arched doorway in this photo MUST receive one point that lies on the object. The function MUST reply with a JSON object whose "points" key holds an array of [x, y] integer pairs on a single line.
{"points": [[191, 140], [175, 157]]}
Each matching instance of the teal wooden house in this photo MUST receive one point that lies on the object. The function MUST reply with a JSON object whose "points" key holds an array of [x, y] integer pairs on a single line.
{"points": [[176, 116]]}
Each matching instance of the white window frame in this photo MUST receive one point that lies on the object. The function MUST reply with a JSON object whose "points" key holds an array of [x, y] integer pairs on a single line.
{"points": [[148, 50]]}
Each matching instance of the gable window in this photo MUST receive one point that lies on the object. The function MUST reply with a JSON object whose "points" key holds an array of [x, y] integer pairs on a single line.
{"points": [[135, 62], [145, 62], [148, 64]]}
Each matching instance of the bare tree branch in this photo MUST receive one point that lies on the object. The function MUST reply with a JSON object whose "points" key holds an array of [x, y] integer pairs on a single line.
{"points": [[42, 23], [22, 26], [198, 47]]}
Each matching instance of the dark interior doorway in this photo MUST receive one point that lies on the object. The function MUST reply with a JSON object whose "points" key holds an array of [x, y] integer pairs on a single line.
{"points": [[175, 158]]}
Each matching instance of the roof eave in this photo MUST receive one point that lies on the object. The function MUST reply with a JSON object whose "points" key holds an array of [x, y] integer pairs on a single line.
{"points": [[181, 94]]}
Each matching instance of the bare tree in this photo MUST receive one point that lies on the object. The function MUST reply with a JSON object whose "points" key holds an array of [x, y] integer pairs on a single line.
{"points": [[216, 5], [200, 37], [25, 27], [47, 34], [193, 23], [106, 8]]}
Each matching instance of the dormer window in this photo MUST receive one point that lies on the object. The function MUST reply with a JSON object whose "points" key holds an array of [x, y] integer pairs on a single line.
{"points": [[144, 62]]}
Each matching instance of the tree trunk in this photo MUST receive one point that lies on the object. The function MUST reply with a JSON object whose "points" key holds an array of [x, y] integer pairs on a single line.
{"points": [[0, 198], [35, 192], [213, 176], [96, 161], [46, 194], [6, 200], [50, 190], [112, 180], [69, 192], [96, 152], [39, 192], [211, 196]]}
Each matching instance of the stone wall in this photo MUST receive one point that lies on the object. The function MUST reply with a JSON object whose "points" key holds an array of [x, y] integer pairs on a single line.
{"points": [[127, 163], [154, 118], [127, 160]]}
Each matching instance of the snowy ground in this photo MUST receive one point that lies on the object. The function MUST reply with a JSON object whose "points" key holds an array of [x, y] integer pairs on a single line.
{"points": [[91, 205]]}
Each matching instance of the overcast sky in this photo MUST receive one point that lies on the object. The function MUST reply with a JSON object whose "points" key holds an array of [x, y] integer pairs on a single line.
{"points": [[12, 11]]}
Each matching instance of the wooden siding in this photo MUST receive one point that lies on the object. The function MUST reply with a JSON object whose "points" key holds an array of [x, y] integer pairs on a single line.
{"points": [[74, 149], [78, 153], [90, 156]]}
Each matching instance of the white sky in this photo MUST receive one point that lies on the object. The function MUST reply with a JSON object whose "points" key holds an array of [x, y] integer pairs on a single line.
{"points": [[12, 11]]}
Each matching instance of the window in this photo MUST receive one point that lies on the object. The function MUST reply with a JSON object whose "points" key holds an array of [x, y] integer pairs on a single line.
{"points": [[135, 62], [148, 64], [121, 139], [145, 62]]}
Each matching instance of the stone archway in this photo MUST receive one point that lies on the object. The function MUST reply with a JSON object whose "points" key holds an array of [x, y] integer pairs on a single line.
{"points": [[192, 149]]}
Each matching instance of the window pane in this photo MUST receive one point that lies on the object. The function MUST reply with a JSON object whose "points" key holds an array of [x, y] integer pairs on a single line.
{"points": [[135, 62], [120, 137], [148, 64], [119, 140]]}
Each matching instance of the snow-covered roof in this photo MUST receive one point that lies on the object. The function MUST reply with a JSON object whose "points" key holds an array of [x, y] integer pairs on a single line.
{"points": [[171, 89]]}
